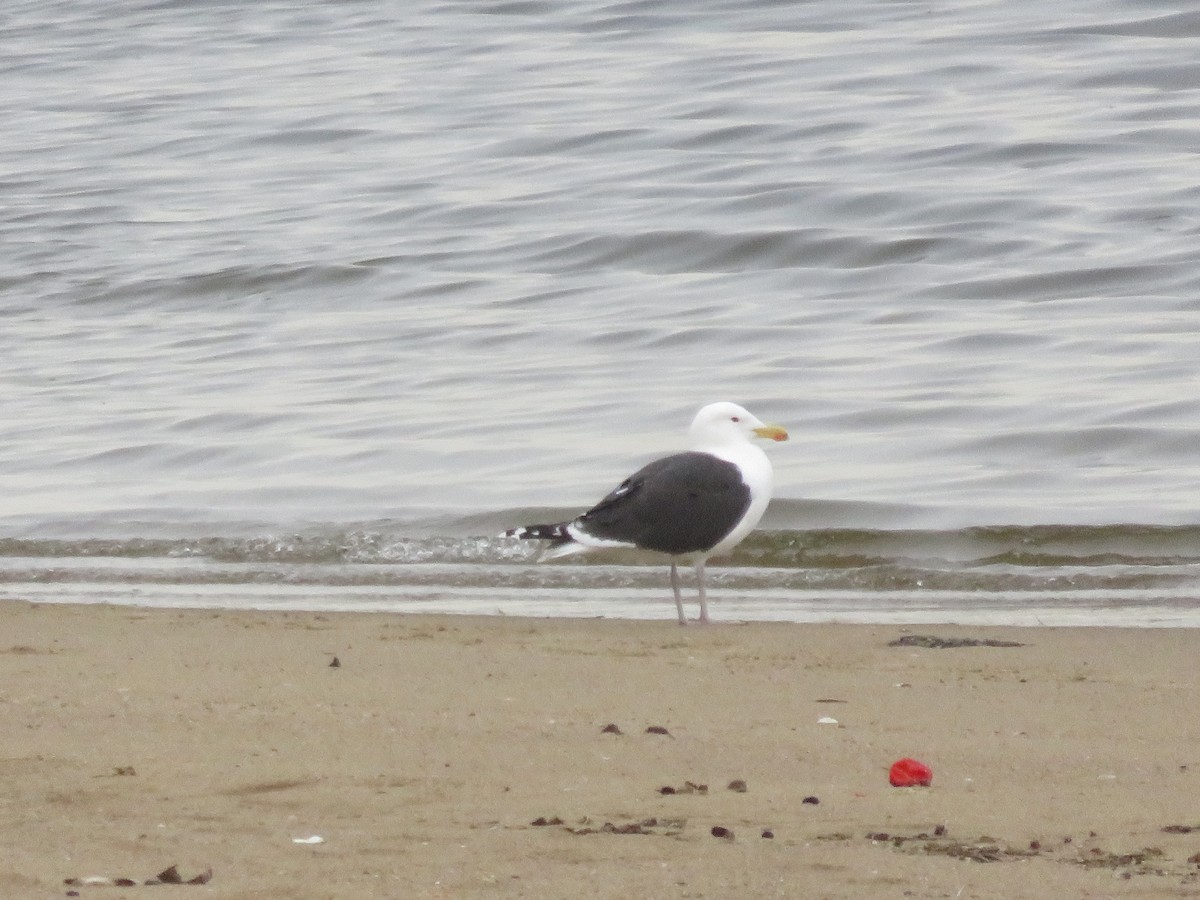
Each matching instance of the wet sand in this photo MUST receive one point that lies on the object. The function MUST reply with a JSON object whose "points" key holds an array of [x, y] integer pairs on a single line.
{"points": [[464, 757]]}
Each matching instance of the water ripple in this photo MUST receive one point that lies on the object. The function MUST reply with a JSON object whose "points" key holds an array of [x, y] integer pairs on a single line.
{"points": [[287, 264]]}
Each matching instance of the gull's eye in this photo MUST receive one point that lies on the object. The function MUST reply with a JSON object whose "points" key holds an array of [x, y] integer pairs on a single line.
{"points": [[736, 419]]}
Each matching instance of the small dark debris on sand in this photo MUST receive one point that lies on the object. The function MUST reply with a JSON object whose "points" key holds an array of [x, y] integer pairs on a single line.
{"points": [[689, 787], [169, 875], [657, 729], [738, 786], [982, 850], [1140, 861], [720, 831], [936, 643], [611, 728], [669, 827], [985, 849]]}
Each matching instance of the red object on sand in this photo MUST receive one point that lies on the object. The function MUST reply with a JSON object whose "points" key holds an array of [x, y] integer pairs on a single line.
{"points": [[910, 773]]}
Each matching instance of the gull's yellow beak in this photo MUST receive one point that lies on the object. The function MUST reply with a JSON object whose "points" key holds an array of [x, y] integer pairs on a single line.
{"points": [[773, 432]]}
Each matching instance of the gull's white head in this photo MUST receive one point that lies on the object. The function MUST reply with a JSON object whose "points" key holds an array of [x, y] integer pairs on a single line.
{"points": [[722, 424]]}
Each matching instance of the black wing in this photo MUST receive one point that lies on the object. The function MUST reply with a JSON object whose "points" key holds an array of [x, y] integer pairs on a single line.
{"points": [[684, 503]]}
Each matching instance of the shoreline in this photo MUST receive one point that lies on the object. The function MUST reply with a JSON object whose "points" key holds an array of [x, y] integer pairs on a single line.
{"points": [[1114, 610], [136, 738]]}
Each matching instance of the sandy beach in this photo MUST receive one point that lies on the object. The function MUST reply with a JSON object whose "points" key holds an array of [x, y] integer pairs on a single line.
{"points": [[464, 757]]}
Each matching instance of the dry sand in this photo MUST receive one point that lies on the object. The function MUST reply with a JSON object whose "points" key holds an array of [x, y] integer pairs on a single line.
{"points": [[133, 739]]}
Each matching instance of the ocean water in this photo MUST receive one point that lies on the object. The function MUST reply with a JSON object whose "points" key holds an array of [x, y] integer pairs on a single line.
{"points": [[301, 304]]}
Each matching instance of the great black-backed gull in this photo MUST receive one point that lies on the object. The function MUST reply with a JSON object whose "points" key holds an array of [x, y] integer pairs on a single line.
{"points": [[687, 506]]}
